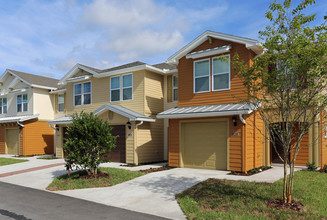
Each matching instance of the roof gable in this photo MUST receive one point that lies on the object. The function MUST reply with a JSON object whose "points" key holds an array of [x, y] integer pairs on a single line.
{"points": [[249, 43]]}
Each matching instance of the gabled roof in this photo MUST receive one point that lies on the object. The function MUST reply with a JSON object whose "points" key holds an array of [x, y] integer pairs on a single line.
{"points": [[208, 110], [18, 118], [165, 66], [131, 115], [249, 43], [32, 80]]}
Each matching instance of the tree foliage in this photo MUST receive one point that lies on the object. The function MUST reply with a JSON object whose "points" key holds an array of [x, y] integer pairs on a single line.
{"points": [[288, 82], [89, 140]]}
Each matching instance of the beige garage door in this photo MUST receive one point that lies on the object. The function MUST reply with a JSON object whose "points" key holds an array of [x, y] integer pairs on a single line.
{"points": [[204, 145], [12, 141]]}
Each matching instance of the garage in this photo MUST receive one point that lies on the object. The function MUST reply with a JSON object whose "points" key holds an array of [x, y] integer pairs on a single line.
{"points": [[12, 141], [118, 154], [204, 144]]}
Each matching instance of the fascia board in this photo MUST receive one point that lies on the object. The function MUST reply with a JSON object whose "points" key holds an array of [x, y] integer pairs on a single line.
{"points": [[130, 69], [58, 91], [208, 53]]}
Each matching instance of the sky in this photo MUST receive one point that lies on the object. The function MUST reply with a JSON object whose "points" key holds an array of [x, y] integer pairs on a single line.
{"points": [[49, 37]]}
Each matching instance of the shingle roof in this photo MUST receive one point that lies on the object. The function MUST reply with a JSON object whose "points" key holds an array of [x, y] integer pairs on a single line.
{"points": [[136, 63], [165, 66], [207, 110], [36, 79]]}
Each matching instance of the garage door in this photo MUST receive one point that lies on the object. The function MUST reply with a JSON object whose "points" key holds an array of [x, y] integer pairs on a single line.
{"points": [[118, 154], [12, 141], [204, 145]]}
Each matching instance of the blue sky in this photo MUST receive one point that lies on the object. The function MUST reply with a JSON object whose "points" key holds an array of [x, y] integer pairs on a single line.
{"points": [[50, 37]]}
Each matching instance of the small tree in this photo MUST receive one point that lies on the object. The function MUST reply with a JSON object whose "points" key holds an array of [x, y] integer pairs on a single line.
{"points": [[89, 140], [288, 82]]}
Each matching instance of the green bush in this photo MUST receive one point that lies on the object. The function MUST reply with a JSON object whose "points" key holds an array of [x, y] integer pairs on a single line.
{"points": [[89, 140], [311, 166], [325, 168]]}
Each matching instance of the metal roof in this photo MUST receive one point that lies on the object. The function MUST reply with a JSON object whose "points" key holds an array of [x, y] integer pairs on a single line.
{"points": [[18, 118], [131, 115], [207, 110]]}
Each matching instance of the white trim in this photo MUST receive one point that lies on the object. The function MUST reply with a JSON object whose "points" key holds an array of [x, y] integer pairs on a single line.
{"points": [[194, 62], [22, 104], [209, 52], [172, 82], [42, 87], [1, 112], [16, 91], [73, 71], [61, 103], [249, 43], [204, 114], [57, 91], [78, 78], [82, 93], [112, 77], [216, 74], [122, 87]]}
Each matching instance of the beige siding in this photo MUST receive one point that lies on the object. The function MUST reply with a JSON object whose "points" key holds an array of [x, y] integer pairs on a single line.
{"points": [[130, 142], [55, 104], [43, 104], [58, 142], [153, 93], [150, 142]]}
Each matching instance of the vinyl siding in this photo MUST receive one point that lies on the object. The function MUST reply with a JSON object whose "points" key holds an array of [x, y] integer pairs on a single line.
{"points": [[43, 104], [237, 91], [154, 93], [323, 150]]}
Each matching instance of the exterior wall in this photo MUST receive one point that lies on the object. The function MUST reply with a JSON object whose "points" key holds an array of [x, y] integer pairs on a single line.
{"points": [[149, 145], [55, 105], [43, 104], [154, 93], [235, 144], [237, 91], [38, 138], [58, 142], [101, 95], [3, 128], [323, 135]]}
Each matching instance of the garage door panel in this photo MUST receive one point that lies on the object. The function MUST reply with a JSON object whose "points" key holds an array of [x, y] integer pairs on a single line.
{"points": [[204, 145], [12, 141]]}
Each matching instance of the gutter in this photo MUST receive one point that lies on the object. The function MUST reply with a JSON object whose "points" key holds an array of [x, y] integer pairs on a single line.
{"points": [[242, 119], [21, 125]]}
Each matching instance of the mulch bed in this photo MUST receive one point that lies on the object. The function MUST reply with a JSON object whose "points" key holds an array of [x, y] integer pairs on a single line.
{"points": [[88, 176], [151, 170], [294, 205], [250, 172]]}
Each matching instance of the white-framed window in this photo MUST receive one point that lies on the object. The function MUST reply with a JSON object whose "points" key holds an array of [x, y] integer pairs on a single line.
{"points": [[202, 76], [3, 105], [61, 102], [221, 73], [82, 93], [127, 87], [115, 89], [22, 103], [175, 88], [287, 78], [121, 88]]}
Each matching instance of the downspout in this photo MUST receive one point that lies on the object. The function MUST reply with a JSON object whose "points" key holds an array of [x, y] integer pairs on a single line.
{"points": [[138, 124], [21, 125], [242, 119], [52, 127]]}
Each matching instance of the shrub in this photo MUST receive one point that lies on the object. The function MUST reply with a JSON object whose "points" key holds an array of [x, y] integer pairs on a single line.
{"points": [[311, 166], [89, 140], [325, 168]]}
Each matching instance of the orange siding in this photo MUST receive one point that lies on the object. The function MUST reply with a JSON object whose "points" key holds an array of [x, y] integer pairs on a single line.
{"points": [[250, 142], [38, 138], [259, 143], [186, 97], [3, 128], [235, 143], [323, 141]]}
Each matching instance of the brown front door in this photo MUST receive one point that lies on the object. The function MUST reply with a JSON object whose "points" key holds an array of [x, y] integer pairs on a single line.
{"points": [[118, 154]]}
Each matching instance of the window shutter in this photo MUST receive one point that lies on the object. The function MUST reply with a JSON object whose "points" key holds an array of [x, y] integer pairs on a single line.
{"points": [[169, 88]]}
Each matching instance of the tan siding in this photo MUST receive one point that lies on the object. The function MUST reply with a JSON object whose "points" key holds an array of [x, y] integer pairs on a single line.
{"points": [[130, 149], [150, 142], [38, 138], [154, 93], [58, 142], [43, 104], [323, 143], [185, 75]]}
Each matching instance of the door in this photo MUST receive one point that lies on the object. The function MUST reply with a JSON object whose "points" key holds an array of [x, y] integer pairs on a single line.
{"points": [[118, 154], [204, 145], [12, 141]]}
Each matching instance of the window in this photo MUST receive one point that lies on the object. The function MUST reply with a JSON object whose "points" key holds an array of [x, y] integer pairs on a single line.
{"points": [[61, 102], [121, 88], [82, 93], [201, 75], [22, 103], [115, 89], [285, 76], [175, 88], [220, 73], [3, 105]]}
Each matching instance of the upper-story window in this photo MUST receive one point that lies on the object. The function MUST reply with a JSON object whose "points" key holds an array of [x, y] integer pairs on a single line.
{"points": [[3, 105], [61, 102], [121, 88], [22, 103], [220, 73], [175, 88], [286, 76], [82, 93]]}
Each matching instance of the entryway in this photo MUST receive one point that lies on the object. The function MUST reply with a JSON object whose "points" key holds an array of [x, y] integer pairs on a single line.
{"points": [[12, 141]]}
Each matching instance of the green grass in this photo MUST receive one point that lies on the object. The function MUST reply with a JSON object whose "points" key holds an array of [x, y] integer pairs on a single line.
{"points": [[8, 161], [117, 176], [224, 199]]}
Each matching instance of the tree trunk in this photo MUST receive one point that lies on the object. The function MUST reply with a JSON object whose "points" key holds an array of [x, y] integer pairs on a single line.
{"points": [[285, 182], [291, 180]]}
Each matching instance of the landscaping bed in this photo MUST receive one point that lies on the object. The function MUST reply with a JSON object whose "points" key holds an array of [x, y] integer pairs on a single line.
{"points": [[225, 199], [151, 170], [250, 172], [80, 179], [8, 161], [47, 158]]}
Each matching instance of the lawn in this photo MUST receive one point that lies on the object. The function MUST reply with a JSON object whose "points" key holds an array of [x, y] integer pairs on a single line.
{"points": [[116, 176], [224, 199], [8, 161]]}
